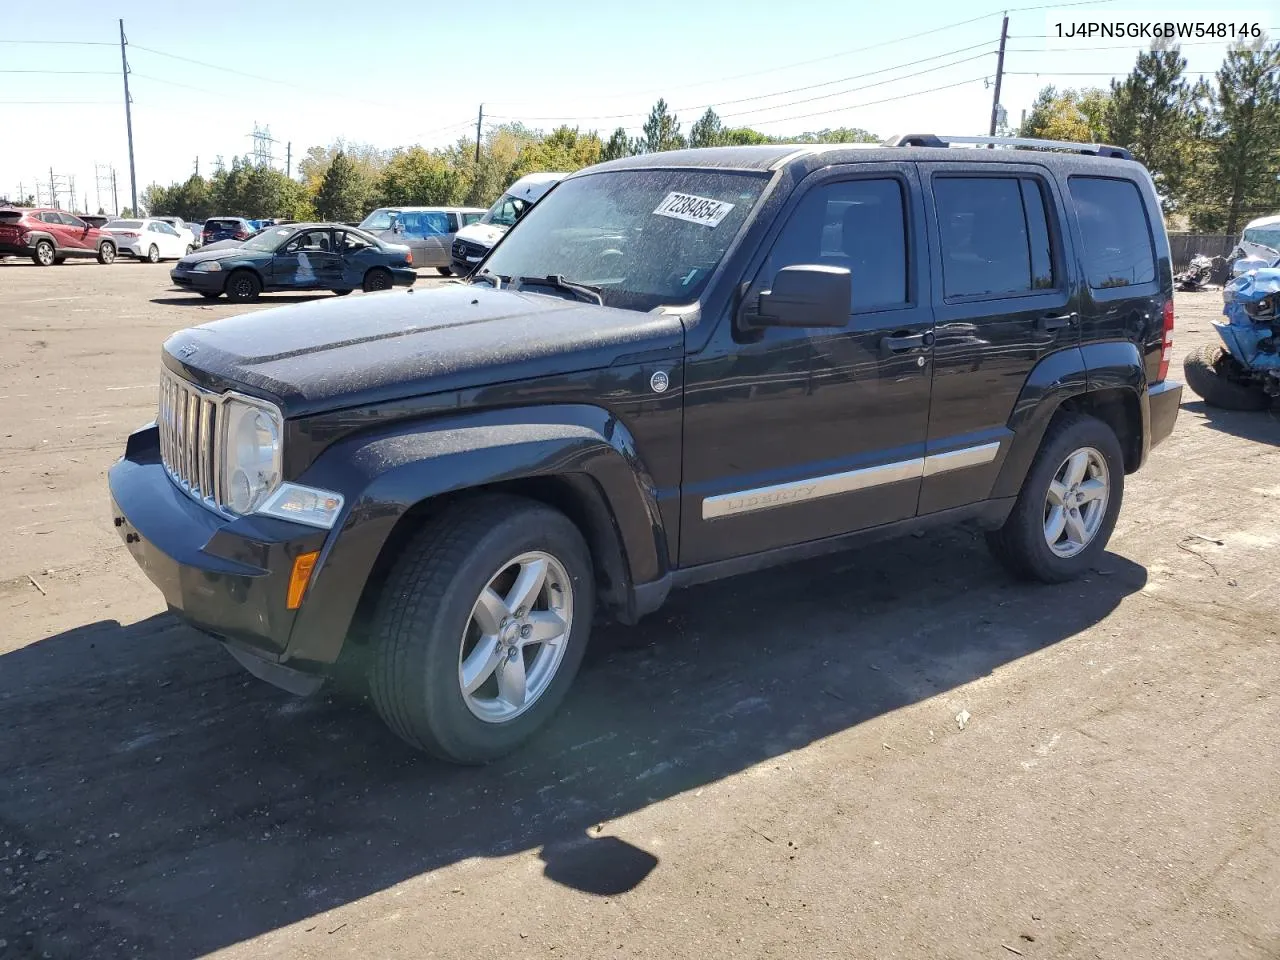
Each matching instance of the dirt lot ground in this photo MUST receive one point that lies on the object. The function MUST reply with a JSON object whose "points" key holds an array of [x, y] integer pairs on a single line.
{"points": [[771, 767]]}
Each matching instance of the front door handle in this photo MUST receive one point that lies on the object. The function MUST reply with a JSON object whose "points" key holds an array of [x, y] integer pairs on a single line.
{"points": [[903, 341], [1056, 321]]}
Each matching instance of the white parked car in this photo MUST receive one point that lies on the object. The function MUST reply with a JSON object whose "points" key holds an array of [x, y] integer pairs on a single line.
{"points": [[185, 230], [149, 239]]}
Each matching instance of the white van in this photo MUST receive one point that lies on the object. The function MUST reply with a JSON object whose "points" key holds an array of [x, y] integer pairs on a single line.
{"points": [[474, 241]]}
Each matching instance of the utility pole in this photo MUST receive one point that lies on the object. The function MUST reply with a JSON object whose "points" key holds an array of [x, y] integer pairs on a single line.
{"points": [[128, 119], [197, 166], [288, 159], [995, 100], [479, 124], [53, 190], [71, 180], [115, 196], [22, 194]]}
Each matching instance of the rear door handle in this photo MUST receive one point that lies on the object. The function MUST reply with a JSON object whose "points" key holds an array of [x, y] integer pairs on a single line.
{"points": [[1056, 321]]}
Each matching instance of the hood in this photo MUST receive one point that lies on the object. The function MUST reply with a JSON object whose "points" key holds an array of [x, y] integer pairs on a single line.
{"points": [[485, 234], [336, 353]]}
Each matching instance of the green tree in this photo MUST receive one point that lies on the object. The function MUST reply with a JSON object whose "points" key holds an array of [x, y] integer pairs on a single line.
{"points": [[661, 131], [343, 194], [418, 177], [1079, 116], [838, 135], [708, 131], [499, 152], [743, 137], [564, 150], [1151, 113], [618, 145], [1240, 161]]}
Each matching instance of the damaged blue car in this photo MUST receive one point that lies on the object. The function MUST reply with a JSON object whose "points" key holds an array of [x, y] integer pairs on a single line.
{"points": [[1243, 373], [297, 256]]}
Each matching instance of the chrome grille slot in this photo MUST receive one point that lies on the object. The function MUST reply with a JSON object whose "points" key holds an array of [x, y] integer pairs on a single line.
{"points": [[188, 421]]}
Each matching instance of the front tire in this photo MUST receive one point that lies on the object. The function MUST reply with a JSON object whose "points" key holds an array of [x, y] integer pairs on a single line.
{"points": [[1220, 380], [44, 254], [242, 287], [341, 293], [210, 294], [481, 628], [377, 279], [1068, 504], [107, 253]]}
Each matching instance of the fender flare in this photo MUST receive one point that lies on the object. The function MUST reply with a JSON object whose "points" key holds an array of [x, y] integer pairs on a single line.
{"points": [[1057, 378], [384, 474]]}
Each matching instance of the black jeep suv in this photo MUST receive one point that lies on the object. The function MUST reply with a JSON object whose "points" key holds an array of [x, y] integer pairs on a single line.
{"points": [[677, 367]]}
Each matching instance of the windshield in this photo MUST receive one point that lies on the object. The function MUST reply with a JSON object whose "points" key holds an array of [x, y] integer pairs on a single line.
{"points": [[379, 220], [643, 237], [506, 211], [268, 239]]}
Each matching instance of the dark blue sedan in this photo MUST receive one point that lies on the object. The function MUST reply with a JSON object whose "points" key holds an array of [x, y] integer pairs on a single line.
{"points": [[299, 256]]}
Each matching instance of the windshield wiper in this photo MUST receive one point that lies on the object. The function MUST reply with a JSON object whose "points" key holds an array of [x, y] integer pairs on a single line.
{"points": [[558, 281]]}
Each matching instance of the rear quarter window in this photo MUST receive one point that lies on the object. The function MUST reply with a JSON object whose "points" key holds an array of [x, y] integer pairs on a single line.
{"points": [[1118, 251]]}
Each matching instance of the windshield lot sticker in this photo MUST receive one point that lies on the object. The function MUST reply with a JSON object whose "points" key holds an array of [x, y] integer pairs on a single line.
{"points": [[685, 206]]}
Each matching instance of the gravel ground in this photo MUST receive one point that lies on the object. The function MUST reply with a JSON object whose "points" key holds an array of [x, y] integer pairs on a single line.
{"points": [[769, 767]]}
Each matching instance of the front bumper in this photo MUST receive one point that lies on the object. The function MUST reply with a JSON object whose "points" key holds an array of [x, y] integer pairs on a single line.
{"points": [[226, 577], [202, 281], [1164, 400]]}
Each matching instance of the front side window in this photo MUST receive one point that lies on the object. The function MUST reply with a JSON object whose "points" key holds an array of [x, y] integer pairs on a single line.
{"points": [[70, 221], [353, 243], [995, 236], [1113, 225], [644, 238], [856, 224]]}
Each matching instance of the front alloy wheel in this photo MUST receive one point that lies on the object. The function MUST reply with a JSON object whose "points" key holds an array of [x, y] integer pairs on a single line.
{"points": [[1076, 503], [515, 638]]}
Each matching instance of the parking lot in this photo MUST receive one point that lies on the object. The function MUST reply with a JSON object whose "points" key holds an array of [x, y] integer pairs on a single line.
{"points": [[769, 767]]}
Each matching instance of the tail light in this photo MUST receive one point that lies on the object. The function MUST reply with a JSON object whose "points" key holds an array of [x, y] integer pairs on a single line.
{"points": [[241, 235], [408, 258], [1166, 346], [125, 233]]}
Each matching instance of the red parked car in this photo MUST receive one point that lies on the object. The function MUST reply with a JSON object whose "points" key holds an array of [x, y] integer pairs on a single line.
{"points": [[50, 236]]}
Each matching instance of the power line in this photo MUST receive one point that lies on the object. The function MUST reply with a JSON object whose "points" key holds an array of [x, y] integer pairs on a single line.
{"points": [[108, 73], [872, 103], [55, 103], [66, 43]]}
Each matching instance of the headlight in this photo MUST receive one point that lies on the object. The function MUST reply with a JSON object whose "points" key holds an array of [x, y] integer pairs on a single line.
{"points": [[208, 266], [251, 458]]}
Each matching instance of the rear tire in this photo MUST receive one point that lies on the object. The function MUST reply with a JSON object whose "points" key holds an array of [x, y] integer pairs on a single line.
{"points": [[59, 260], [426, 628], [44, 254], [444, 271], [341, 293], [1220, 380], [377, 279], [209, 294], [1080, 529], [242, 286], [107, 253], [153, 254]]}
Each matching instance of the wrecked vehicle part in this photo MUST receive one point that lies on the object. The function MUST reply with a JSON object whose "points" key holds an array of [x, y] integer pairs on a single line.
{"points": [[1246, 374]]}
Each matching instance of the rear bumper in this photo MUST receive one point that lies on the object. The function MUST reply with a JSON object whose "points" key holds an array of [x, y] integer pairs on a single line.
{"points": [[14, 248], [1164, 400], [228, 578]]}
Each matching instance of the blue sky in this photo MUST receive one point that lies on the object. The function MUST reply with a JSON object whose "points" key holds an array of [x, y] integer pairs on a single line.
{"points": [[393, 74]]}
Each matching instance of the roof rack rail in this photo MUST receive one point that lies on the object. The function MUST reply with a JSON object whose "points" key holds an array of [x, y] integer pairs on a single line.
{"points": [[933, 140]]}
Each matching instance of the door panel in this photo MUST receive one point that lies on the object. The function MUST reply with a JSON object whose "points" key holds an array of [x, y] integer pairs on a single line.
{"points": [[794, 434], [77, 232], [307, 262], [1004, 297], [60, 232]]}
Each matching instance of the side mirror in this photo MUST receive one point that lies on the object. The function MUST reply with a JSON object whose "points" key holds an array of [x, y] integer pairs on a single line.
{"points": [[805, 295]]}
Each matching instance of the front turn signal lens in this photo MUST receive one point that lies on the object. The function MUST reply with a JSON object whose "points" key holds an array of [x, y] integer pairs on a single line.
{"points": [[303, 564]]}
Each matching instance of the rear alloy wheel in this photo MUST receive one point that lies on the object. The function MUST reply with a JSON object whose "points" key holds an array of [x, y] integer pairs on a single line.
{"points": [[1220, 379], [153, 254], [1068, 504], [377, 279], [481, 627], [107, 253], [243, 286], [44, 254]]}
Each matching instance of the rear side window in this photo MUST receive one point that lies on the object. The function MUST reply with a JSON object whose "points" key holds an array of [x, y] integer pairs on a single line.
{"points": [[1113, 225], [856, 224], [995, 236]]}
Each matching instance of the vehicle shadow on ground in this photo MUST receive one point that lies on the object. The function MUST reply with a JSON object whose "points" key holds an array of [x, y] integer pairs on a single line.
{"points": [[174, 805], [267, 299], [1260, 426]]}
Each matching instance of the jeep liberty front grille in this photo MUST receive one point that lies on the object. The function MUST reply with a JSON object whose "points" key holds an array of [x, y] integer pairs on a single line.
{"points": [[188, 419]]}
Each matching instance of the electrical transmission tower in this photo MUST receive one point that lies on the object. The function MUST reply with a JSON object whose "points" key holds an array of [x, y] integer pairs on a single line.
{"points": [[262, 141], [104, 177]]}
